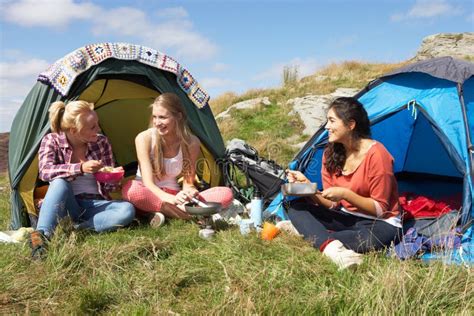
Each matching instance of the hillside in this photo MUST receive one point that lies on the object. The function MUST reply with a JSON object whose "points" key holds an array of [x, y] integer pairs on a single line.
{"points": [[279, 121]]}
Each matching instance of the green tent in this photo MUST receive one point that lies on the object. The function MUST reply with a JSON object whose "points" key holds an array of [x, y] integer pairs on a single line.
{"points": [[121, 80]]}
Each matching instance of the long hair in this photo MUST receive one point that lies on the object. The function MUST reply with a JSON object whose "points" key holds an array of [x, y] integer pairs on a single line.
{"points": [[347, 109], [63, 118], [172, 103]]}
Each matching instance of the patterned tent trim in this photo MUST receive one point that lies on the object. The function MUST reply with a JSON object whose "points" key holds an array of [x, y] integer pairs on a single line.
{"points": [[62, 73]]}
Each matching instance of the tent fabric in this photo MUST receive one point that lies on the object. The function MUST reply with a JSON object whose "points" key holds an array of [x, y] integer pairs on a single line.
{"points": [[31, 121], [445, 67], [62, 74], [424, 115]]}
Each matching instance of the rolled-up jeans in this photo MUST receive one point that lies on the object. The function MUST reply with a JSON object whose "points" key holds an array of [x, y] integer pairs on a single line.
{"points": [[98, 215]]}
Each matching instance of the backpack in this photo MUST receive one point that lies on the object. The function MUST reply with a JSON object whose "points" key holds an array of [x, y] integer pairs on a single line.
{"points": [[261, 174]]}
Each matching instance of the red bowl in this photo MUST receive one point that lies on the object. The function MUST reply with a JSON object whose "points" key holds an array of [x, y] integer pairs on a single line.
{"points": [[109, 177]]}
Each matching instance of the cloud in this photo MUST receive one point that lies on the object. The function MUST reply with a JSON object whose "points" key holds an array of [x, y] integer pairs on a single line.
{"points": [[7, 113], [220, 67], [174, 31], [47, 13], [305, 67], [22, 69], [173, 13], [16, 80], [121, 21], [425, 9], [171, 29], [218, 83], [181, 37]]}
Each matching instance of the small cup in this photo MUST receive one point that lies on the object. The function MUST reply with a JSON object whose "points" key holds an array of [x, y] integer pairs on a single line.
{"points": [[246, 226], [269, 231]]}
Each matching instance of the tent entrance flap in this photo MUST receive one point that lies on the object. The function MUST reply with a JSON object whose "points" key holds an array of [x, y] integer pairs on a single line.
{"points": [[121, 121], [27, 187], [426, 153], [123, 109], [414, 145], [422, 163]]}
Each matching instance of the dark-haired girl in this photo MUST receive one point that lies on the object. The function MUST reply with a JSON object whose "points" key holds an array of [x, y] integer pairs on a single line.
{"points": [[358, 209]]}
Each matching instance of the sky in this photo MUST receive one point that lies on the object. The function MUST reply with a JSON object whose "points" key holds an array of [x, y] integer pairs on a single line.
{"points": [[228, 46]]}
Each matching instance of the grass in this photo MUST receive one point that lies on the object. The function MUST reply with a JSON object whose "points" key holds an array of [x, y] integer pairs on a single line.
{"points": [[290, 75], [266, 129], [172, 271], [350, 74], [4, 201]]}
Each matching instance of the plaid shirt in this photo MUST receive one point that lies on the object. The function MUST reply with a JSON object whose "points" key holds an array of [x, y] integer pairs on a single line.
{"points": [[55, 159]]}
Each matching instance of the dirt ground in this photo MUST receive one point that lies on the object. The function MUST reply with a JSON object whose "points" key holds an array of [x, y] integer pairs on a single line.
{"points": [[3, 152]]}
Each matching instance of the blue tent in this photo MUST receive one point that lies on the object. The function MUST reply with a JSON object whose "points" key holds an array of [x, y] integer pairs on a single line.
{"points": [[424, 115]]}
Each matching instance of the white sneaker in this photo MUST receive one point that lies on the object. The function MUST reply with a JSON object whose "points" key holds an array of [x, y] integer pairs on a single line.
{"points": [[341, 256], [157, 220], [287, 226]]}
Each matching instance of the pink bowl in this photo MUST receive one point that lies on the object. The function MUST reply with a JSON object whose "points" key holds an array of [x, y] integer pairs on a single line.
{"points": [[109, 177]]}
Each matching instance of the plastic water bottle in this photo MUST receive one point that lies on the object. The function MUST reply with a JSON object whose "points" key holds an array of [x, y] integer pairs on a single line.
{"points": [[256, 209]]}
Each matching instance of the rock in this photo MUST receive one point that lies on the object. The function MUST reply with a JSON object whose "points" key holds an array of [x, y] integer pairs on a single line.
{"points": [[457, 45], [266, 101], [247, 104], [344, 92], [312, 108]]}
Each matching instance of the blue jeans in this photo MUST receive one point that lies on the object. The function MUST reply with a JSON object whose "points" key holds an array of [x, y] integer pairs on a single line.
{"points": [[319, 224], [97, 215]]}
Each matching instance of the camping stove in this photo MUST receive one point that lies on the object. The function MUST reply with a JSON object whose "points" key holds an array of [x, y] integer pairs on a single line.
{"points": [[206, 231]]}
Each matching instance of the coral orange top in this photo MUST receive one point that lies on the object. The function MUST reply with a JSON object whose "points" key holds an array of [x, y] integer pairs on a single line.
{"points": [[373, 178]]}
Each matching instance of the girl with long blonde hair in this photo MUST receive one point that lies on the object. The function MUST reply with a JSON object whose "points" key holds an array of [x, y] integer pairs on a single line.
{"points": [[166, 151]]}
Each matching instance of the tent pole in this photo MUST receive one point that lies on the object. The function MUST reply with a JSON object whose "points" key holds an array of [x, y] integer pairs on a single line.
{"points": [[470, 147]]}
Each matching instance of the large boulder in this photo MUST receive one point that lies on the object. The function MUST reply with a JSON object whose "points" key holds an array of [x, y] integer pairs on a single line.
{"points": [[457, 45], [312, 108], [247, 104]]}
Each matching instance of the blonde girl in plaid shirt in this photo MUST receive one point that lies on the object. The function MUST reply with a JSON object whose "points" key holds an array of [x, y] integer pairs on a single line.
{"points": [[68, 157]]}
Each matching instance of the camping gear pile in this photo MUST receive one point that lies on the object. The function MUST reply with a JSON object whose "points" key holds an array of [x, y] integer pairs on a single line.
{"points": [[263, 175]]}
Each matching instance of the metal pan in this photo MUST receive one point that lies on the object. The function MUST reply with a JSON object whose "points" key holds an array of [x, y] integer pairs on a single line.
{"points": [[299, 189], [194, 209]]}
